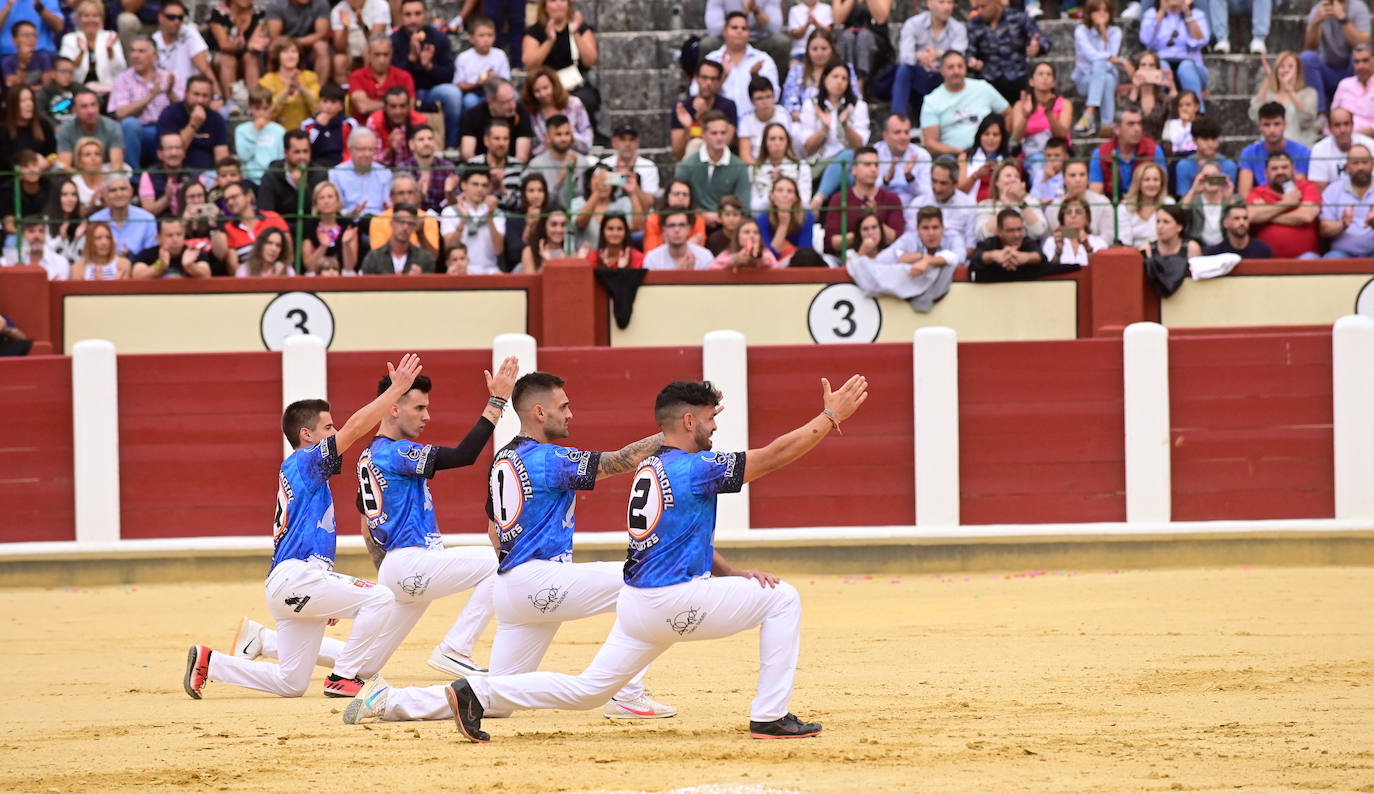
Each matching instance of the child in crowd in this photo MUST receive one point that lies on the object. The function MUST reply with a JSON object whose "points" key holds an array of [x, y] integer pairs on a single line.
{"points": [[329, 128], [1178, 132], [479, 62], [55, 97], [1048, 180], [731, 211], [746, 249], [456, 261], [329, 266], [804, 17], [259, 142]]}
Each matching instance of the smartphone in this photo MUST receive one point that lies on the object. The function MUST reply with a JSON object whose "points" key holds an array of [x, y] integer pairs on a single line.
{"points": [[615, 180], [1287, 186], [1218, 180]]}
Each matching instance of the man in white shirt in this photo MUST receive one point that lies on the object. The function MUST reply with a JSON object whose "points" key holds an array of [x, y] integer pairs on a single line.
{"points": [[182, 51], [35, 252], [626, 159], [352, 23], [958, 211], [475, 222], [677, 253], [765, 25], [741, 63], [903, 167], [1329, 154], [765, 102]]}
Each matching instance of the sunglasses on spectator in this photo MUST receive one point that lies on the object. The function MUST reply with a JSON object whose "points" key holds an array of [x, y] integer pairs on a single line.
{"points": [[174, 17]]}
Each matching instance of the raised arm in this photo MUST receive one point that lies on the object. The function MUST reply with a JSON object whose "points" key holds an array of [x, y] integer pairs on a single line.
{"points": [[628, 457], [467, 451], [369, 415], [839, 406]]}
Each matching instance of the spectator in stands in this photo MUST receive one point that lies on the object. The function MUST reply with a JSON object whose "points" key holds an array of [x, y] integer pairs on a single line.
{"points": [[1283, 83], [833, 124], [506, 171], [1136, 214], [203, 131], [563, 42], [260, 141], [455, 260], [507, 15], [34, 193], [480, 62], [168, 256], [160, 185], [434, 176], [803, 18], [1218, 13], [134, 227], [181, 49], [1347, 215], [426, 53], [804, 79], [307, 23], [328, 232], [1177, 136], [952, 113], [958, 210], [777, 160], [858, 26], [1334, 27], [1254, 159], [1047, 182], [238, 37], [1072, 243], [475, 221], [1207, 138], [23, 128], [36, 253], [561, 166], [1330, 154], [763, 100], [765, 25], [904, 167], [1127, 147], [95, 53], [731, 212], [91, 173], [66, 222], [1000, 40], [614, 250], [245, 223], [55, 97], [746, 250], [928, 247], [398, 255], [844, 208], [27, 64], [369, 84], [99, 260], [426, 234], [599, 199], [548, 240], [86, 122], [1039, 115], [351, 24], [686, 129], [270, 255], [1176, 33], [680, 195], [534, 204], [1097, 53], [677, 252], [1076, 186], [1010, 191], [47, 22], [923, 39], [627, 160], [501, 103], [1152, 90], [294, 92], [287, 182], [1236, 221], [545, 97], [1010, 255], [1356, 93], [713, 172], [1166, 257], [1284, 210], [786, 224], [393, 124], [741, 65], [138, 97], [329, 129], [1206, 202], [992, 145]]}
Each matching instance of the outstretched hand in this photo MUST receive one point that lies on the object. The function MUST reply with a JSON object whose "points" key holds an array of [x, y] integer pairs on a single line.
{"points": [[403, 375], [844, 402], [503, 382]]}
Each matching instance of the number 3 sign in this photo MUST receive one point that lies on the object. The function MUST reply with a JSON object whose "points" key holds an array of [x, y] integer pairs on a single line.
{"points": [[292, 313], [842, 314]]}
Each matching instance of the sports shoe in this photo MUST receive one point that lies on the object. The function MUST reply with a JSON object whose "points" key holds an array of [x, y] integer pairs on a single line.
{"points": [[248, 639], [1222, 47], [1086, 123], [455, 664], [641, 708], [197, 670], [1132, 11], [336, 687], [467, 710], [369, 703], [788, 727], [1257, 47]]}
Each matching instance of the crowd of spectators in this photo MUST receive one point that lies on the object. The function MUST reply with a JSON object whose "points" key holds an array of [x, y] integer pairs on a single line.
{"points": [[296, 137]]}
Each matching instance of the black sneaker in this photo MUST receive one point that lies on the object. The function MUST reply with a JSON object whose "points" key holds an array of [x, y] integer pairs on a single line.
{"points": [[467, 711], [788, 727]]}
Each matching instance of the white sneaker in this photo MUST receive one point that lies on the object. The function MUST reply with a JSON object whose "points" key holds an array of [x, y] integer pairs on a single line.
{"points": [[248, 640], [1222, 47], [455, 664], [369, 703], [1132, 11], [641, 708], [1257, 47], [1033, 10]]}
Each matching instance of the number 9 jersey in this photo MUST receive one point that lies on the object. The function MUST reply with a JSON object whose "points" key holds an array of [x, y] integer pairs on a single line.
{"points": [[672, 514], [532, 496]]}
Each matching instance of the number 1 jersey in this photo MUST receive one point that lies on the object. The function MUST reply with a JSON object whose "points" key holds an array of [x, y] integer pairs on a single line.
{"points": [[672, 514], [532, 496]]}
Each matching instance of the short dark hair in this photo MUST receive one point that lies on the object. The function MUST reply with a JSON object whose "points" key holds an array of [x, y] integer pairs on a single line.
{"points": [[27, 157], [720, 70], [406, 207], [476, 22], [681, 395], [494, 123], [759, 84], [1058, 143], [1271, 110], [1179, 215], [477, 170], [1205, 127], [948, 53], [396, 90], [22, 22], [1277, 156], [169, 3], [300, 414], [1234, 205], [557, 120], [240, 184], [712, 115], [863, 150], [296, 134], [1006, 215], [421, 384], [197, 77], [333, 91], [533, 384], [930, 213], [667, 215], [948, 165], [734, 14], [418, 128]]}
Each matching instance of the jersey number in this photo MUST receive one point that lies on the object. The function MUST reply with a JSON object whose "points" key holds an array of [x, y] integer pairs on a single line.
{"points": [[507, 495], [646, 503], [279, 520], [367, 487]]}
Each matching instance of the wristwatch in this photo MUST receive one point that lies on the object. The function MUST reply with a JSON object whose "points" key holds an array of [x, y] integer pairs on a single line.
{"points": [[1344, 20]]}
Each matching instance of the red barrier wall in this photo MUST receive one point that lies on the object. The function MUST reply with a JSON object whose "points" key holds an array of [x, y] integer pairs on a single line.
{"points": [[1251, 427], [1041, 432], [199, 444], [36, 449]]}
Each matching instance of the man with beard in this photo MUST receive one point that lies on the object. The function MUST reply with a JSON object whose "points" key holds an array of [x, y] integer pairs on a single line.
{"points": [[282, 183], [561, 166], [505, 171], [1236, 222], [1347, 217], [1284, 210]]}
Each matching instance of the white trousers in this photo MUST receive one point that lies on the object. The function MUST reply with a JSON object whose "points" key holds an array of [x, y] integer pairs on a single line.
{"points": [[302, 598], [649, 621], [532, 601]]}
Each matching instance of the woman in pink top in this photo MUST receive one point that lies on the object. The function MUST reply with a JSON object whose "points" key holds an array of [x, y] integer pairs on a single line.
{"points": [[746, 250], [1040, 114]]}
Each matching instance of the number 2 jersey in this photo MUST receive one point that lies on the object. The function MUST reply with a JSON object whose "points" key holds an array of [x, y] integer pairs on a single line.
{"points": [[672, 514], [532, 496], [304, 524], [393, 493]]}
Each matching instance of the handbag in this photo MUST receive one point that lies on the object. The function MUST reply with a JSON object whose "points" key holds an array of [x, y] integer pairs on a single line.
{"points": [[571, 76]]}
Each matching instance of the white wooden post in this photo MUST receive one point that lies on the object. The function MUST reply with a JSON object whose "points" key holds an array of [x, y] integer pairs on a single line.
{"points": [[935, 406], [304, 373], [523, 347], [1149, 491], [1352, 422], [95, 440], [725, 362]]}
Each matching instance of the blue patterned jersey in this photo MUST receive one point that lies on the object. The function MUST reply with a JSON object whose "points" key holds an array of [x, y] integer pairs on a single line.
{"points": [[393, 492], [532, 497], [304, 525], [672, 514]]}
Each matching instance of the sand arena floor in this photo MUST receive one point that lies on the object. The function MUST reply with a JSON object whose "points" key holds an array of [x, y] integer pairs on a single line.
{"points": [[1187, 680]]}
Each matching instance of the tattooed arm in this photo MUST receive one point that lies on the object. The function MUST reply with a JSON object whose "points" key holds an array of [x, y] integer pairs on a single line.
{"points": [[628, 457], [377, 553]]}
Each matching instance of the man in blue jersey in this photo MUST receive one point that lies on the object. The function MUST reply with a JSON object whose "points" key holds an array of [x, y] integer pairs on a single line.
{"points": [[678, 588], [530, 503], [304, 594]]}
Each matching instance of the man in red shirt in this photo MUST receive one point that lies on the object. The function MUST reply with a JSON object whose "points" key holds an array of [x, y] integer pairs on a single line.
{"points": [[1283, 213], [863, 196], [245, 221], [393, 124], [368, 86]]}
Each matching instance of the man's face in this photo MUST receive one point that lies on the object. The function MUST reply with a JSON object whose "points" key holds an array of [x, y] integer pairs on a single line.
{"points": [[1129, 130], [736, 33], [1359, 166], [1342, 127], [866, 170], [411, 413], [172, 236], [1237, 222], [990, 10], [422, 145], [404, 190], [897, 133], [941, 184], [35, 235], [482, 38], [502, 106], [1278, 171], [1076, 178], [118, 194], [553, 412], [560, 139], [940, 9], [763, 103], [298, 153], [236, 200], [676, 229], [413, 16], [1364, 66], [379, 56], [171, 151], [702, 423], [708, 81], [717, 135], [403, 226], [953, 69], [497, 141], [1207, 147], [475, 190], [397, 109], [169, 21], [198, 93], [363, 149], [25, 39], [931, 232], [1272, 130], [324, 428], [1011, 232], [87, 109], [626, 146]]}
